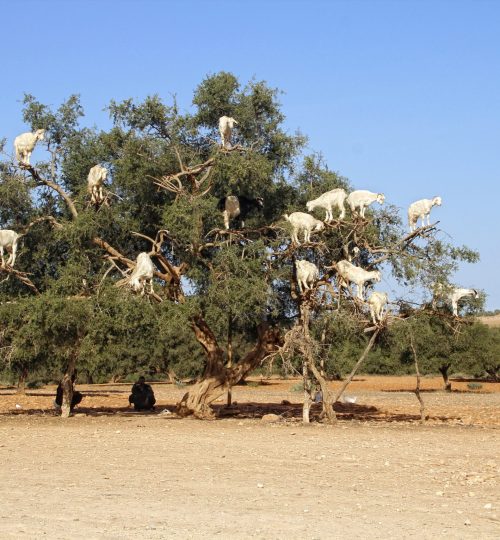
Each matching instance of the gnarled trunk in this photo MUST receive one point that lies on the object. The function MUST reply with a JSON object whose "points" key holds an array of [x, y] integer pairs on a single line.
{"points": [[444, 372], [217, 378], [21, 383], [67, 388]]}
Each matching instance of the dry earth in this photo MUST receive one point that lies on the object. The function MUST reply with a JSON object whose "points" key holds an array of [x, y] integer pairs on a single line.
{"points": [[491, 320], [109, 473]]}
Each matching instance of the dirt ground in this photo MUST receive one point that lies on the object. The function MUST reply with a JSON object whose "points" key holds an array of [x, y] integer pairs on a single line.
{"points": [[110, 473]]}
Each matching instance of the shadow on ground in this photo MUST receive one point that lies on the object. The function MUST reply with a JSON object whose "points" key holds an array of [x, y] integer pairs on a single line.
{"points": [[250, 410]]}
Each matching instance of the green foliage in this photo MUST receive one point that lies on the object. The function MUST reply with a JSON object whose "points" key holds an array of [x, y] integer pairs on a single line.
{"points": [[235, 282]]}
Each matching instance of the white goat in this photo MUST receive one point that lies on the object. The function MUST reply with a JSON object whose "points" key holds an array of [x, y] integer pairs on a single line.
{"points": [[362, 198], [349, 273], [95, 181], [421, 209], [377, 302], [335, 197], [307, 275], [452, 295], [226, 124], [303, 222], [143, 272], [457, 293], [9, 240], [24, 145]]}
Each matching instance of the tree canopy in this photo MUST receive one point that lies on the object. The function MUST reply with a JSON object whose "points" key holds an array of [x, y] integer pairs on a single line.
{"points": [[60, 304]]}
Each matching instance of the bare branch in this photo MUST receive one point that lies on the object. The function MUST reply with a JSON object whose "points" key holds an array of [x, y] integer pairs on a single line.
{"points": [[53, 185], [21, 276]]}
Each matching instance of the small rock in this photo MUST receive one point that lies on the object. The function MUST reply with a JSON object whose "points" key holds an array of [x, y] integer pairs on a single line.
{"points": [[260, 485], [488, 506], [439, 493], [467, 522], [285, 402], [271, 418]]}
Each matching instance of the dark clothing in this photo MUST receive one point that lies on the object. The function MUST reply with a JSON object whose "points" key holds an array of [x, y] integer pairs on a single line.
{"points": [[142, 397], [75, 400]]}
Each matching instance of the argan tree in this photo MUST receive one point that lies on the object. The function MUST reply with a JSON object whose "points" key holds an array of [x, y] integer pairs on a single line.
{"points": [[231, 291]]}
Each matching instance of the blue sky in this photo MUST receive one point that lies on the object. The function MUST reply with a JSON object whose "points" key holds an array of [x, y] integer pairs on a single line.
{"points": [[401, 97]]}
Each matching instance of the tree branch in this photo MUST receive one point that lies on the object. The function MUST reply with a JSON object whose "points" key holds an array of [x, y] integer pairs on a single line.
{"points": [[53, 185]]}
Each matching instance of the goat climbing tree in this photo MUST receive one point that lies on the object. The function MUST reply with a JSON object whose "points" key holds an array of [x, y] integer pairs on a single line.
{"points": [[214, 290]]}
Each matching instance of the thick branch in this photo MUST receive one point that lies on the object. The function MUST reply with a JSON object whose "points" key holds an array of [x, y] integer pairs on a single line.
{"points": [[53, 185], [355, 368], [21, 276], [206, 338]]}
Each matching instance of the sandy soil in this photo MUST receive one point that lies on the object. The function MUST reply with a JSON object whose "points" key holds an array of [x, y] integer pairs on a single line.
{"points": [[111, 473], [491, 320]]}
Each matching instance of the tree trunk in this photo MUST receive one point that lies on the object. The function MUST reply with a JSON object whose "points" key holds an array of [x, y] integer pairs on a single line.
{"points": [[444, 372], [417, 388], [21, 383], [306, 406], [67, 388], [322, 359], [171, 376], [216, 377], [229, 354], [325, 391], [306, 347]]}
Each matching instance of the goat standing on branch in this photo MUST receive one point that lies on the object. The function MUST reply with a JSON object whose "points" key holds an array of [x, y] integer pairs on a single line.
{"points": [[233, 207], [95, 180], [142, 273], [9, 240], [377, 302], [452, 296], [348, 273], [226, 124], [421, 209], [25, 143], [335, 197], [307, 275], [362, 199], [303, 222]]}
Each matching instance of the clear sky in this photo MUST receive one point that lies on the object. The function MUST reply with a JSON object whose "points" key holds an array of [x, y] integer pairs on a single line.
{"points": [[402, 97]]}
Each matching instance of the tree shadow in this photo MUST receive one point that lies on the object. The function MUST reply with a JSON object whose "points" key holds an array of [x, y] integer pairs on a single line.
{"points": [[248, 411]]}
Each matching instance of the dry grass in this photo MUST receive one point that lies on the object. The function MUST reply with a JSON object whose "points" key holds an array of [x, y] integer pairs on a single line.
{"points": [[491, 320]]}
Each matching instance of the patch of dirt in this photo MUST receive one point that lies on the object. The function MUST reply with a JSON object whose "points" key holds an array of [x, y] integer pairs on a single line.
{"points": [[111, 473], [491, 320]]}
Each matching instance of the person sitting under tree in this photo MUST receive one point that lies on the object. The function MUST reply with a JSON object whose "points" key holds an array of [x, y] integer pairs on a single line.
{"points": [[142, 396]]}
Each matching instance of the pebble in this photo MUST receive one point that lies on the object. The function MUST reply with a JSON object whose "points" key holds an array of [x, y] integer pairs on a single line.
{"points": [[260, 485], [488, 506]]}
